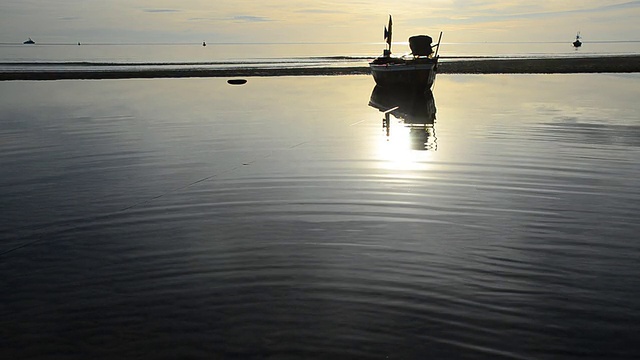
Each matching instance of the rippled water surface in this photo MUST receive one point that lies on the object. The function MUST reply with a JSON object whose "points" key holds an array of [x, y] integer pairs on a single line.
{"points": [[187, 218]]}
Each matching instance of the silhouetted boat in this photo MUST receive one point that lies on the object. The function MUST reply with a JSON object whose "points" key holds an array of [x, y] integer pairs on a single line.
{"points": [[29, 42], [416, 70], [577, 43]]}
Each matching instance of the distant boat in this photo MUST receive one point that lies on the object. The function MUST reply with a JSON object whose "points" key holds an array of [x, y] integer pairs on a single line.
{"points": [[577, 43], [417, 70], [28, 42]]}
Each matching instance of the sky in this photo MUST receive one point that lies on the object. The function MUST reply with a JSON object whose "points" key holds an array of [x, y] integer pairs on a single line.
{"points": [[328, 21]]}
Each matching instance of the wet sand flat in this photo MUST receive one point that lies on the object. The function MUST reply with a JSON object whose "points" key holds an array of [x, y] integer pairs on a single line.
{"points": [[617, 64], [604, 64]]}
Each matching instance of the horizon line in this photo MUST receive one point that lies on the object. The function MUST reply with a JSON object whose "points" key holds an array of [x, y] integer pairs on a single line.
{"points": [[305, 43]]}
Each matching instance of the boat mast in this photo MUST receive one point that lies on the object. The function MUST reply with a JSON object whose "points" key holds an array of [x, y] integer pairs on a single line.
{"points": [[438, 45], [387, 34]]}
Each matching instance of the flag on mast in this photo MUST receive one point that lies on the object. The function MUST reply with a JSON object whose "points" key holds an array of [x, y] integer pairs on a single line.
{"points": [[387, 33]]}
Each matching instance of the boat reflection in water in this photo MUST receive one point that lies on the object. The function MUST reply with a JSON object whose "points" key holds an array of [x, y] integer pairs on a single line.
{"points": [[415, 109]]}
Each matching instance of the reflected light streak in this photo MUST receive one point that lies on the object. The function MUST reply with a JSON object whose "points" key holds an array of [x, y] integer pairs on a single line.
{"points": [[397, 150]]}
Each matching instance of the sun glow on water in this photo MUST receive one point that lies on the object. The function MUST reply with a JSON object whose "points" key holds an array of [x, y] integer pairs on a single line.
{"points": [[407, 148]]}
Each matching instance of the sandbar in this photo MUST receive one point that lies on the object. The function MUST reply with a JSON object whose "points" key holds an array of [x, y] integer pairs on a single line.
{"points": [[566, 65]]}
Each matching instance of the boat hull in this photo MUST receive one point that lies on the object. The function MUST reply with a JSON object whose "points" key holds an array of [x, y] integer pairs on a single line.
{"points": [[404, 75]]}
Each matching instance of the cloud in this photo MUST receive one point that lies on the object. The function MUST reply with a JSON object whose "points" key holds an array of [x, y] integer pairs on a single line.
{"points": [[236, 18], [319, 11], [250, 18], [161, 10], [628, 5], [480, 12]]}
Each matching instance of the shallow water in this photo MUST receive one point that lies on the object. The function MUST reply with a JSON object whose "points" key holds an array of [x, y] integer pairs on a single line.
{"points": [[195, 52], [131, 57], [187, 218]]}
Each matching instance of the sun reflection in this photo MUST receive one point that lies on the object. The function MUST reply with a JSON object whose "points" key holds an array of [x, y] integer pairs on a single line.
{"points": [[403, 147], [409, 140]]}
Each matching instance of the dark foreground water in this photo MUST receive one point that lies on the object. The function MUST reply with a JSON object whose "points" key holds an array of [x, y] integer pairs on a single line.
{"points": [[190, 219]]}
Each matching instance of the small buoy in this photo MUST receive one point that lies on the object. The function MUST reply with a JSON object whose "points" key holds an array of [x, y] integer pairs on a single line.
{"points": [[237, 81]]}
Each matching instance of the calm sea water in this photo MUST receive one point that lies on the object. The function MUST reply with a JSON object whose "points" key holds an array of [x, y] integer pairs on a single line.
{"points": [[103, 57], [187, 218]]}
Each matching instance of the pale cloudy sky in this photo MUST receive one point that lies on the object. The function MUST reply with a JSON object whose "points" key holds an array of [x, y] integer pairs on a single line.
{"points": [[314, 21]]}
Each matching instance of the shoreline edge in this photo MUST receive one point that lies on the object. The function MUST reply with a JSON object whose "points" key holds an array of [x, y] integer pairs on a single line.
{"points": [[601, 64]]}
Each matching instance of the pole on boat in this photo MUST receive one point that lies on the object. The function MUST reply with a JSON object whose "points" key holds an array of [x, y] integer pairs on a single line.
{"points": [[438, 47]]}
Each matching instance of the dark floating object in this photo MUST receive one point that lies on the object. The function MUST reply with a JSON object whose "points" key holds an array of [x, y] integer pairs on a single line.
{"points": [[237, 81], [28, 42], [204, 43]]}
